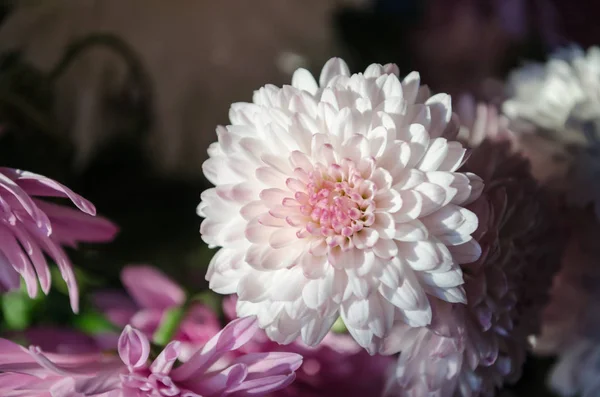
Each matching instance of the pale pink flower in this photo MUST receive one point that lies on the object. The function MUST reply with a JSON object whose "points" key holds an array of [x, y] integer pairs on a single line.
{"points": [[31, 228], [332, 198], [474, 349], [34, 373], [153, 295]]}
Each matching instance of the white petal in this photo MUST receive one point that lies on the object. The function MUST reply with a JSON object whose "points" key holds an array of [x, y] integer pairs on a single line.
{"points": [[283, 237], [316, 328], [304, 80], [466, 253], [365, 238], [426, 255], [334, 67], [384, 224], [435, 155], [385, 249], [411, 231]]}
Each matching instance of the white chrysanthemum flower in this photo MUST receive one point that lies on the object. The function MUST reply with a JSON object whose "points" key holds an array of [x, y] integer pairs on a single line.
{"points": [[339, 198], [562, 98], [566, 89]]}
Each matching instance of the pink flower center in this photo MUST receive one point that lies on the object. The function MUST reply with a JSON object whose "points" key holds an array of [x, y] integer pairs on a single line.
{"points": [[337, 202]]}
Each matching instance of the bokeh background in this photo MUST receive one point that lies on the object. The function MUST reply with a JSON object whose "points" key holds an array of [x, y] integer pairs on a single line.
{"points": [[119, 99]]}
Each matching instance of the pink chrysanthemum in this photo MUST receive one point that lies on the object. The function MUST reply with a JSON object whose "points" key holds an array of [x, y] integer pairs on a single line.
{"points": [[333, 198], [31, 227], [337, 367], [152, 295], [34, 373], [474, 349]]}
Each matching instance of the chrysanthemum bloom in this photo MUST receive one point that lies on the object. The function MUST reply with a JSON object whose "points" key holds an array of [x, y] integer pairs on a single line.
{"points": [[555, 95], [32, 227], [470, 350], [34, 373], [337, 367], [153, 295], [335, 198], [556, 108]]}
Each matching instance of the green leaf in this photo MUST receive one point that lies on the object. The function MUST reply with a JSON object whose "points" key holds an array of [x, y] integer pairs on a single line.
{"points": [[93, 323], [84, 280], [58, 283], [168, 326], [17, 310], [339, 327], [211, 300]]}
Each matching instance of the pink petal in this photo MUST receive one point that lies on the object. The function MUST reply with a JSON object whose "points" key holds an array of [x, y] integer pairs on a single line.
{"points": [[38, 185], [133, 347], [150, 288], [63, 263], [19, 198], [20, 262], [70, 226], [165, 360], [235, 334]]}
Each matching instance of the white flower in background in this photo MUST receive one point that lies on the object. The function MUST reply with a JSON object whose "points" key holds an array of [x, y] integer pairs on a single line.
{"points": [[560, 103], [339, 198], [564, 90], [577, 371], [472, 350]]}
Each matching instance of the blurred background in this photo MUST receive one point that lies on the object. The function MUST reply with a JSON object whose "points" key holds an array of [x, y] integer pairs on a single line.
{"points": [[119, 99]]}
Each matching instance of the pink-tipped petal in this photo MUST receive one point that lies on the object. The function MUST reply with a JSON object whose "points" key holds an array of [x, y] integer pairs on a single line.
{"points": [[134, 348]]}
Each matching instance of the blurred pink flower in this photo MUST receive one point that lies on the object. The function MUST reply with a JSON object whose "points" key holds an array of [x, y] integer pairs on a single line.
{"points": [[152, 295], [337, 367], [53, 339], [31, 228], [33, 373], [472, 350]]}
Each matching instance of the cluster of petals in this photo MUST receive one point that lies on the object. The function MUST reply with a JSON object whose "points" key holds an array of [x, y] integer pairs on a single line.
{"points": [[560, 102], [32, 228], [564, 91], [150, 295], [31, 372], [339, 198], [336, 367], [474, 349]]}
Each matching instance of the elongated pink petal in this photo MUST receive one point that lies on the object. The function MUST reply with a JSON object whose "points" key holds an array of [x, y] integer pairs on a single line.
{"points": [[70, 226], [39, 185], [233, 336], [150, 288]]}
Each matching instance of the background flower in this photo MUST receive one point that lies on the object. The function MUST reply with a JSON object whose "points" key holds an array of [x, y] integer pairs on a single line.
{"points": [[31, 227], [31, 371], [473, 350], [332, 198], [153, 294], [337, 367]]}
